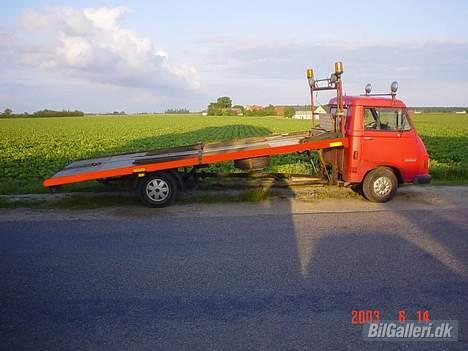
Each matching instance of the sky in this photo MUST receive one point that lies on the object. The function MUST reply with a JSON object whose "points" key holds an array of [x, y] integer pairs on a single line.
{"points": [[148, 56]]}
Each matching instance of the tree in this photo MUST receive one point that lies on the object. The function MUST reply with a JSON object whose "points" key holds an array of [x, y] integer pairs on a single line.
{"points": [[240, 107], [268, 111], [7, 111], [213, 109], [222, 107], [224, 102], [289, 112]]}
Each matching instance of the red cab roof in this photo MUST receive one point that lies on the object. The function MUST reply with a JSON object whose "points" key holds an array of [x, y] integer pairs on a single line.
{"points": [[371, 101]]}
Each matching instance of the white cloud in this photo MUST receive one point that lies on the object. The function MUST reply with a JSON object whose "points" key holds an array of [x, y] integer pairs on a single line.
{"points": [[105, 18], [75, 51], [81, 54], [91, 44]]}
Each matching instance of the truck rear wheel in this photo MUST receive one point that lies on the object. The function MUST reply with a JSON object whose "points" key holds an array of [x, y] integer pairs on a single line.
{"points": [[380, 185], [157, 189]]}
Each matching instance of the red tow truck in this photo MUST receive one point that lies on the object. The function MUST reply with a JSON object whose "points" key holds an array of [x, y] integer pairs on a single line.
{"points": [[366, 141]]}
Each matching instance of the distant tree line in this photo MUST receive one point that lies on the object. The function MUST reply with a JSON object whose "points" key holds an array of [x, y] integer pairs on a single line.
{"points": [[8, 113], [177, 111], [438, 109], [262, 111], [114, 113], [223, 107]]}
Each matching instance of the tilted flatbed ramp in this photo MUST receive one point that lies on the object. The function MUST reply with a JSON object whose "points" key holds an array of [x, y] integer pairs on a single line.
{"points": [[192, 155]]}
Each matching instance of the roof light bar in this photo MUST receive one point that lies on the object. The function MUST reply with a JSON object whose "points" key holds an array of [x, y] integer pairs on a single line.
{"points": [[393, 90]]}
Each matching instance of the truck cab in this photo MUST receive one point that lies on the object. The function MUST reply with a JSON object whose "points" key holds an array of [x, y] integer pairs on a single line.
{"points": [[384, 149]]}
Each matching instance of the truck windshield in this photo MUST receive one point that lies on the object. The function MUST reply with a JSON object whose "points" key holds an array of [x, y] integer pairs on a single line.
{"points": [[385, 119]]}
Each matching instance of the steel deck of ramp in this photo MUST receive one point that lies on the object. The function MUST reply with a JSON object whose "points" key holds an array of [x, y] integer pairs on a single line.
{"points": [[191, 155]]}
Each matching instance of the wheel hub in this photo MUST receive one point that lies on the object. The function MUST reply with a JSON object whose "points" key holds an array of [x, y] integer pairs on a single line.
{"points": [[382, 186], [157, 190]]}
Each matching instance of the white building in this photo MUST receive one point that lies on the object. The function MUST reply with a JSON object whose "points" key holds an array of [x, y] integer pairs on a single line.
{"points": [[307, 114], [303, 114], [319, 110]]}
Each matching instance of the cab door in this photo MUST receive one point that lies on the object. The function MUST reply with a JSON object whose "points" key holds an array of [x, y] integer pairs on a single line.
{"points": [[389, 140]]}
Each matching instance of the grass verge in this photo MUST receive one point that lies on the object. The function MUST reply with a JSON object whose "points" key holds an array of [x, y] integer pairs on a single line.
{"points": [[94, 201], [70, 202], [79, 202]]}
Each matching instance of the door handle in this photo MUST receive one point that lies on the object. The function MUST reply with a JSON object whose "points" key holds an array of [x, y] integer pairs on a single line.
{"points": [[368, 138]]}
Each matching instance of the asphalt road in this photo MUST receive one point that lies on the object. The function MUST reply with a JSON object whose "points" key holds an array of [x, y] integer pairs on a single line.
{"points": [[242, 279]]}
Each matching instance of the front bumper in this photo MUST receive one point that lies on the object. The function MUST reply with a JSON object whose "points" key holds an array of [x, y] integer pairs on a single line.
{"points": [[422, 179]]}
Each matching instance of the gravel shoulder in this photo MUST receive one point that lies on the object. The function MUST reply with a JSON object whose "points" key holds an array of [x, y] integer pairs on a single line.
{"points": [[290, 201]]}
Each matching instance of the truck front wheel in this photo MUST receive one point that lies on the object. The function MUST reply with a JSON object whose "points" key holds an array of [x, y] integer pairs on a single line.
{"points": [[380, 185], [157, 189]]}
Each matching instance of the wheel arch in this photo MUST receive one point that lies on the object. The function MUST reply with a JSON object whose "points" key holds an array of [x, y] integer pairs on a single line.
{"points": [[394, 169], [171, 172], [178, 178]]}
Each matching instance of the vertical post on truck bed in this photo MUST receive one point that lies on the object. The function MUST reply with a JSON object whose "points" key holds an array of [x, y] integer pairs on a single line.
{"points": [[312, 107], [310, 78], [339, 94]]}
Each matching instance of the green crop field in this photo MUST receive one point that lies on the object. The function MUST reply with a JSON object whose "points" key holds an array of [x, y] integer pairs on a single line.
{"points": [[33, 149], [446, 138]]}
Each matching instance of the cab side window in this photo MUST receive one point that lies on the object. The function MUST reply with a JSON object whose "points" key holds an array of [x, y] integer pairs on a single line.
{"points": [[385, 119], [370, 119], [403, 123]]}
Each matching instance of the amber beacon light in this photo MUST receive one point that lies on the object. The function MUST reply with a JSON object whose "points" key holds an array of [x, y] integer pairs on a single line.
{"points": [[339, 67]]}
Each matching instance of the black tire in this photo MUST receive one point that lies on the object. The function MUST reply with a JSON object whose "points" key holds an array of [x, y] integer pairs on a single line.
{"points": [[157, 189], [252, 163], [380, 185]]}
